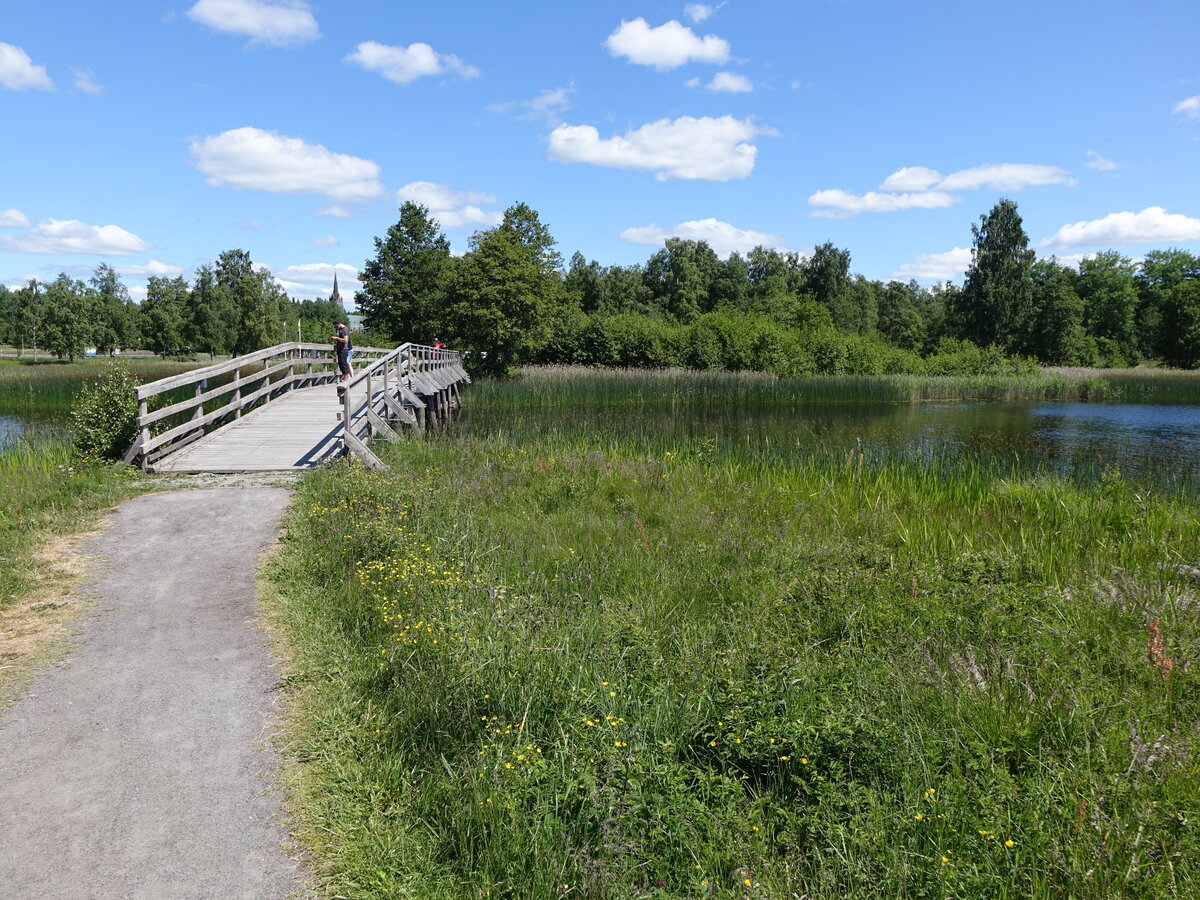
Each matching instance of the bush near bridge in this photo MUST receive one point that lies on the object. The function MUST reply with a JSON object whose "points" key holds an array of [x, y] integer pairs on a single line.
{"points": [[547, 669]]}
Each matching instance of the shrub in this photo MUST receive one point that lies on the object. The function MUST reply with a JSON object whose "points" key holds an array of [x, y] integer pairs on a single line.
{"points": [[104, 414]]}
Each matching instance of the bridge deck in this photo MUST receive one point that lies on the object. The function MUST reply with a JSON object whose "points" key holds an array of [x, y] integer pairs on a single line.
{"points": [[298, 431]]}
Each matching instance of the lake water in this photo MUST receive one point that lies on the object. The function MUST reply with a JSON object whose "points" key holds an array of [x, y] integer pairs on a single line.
{"points": [[1152, 445], [10, 429]]}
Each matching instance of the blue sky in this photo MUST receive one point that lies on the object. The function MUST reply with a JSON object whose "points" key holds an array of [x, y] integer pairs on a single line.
{"points": [[154, 135]]}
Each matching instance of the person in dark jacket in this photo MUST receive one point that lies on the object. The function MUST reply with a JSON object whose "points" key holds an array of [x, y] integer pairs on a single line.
{"points": [[342, 346]]}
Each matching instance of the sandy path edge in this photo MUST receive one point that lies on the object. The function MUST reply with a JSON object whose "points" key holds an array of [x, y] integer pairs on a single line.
{"points": [[140, 767]]}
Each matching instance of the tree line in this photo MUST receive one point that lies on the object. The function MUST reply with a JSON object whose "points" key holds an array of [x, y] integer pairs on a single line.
{"points": [[511, 300], [511, 297], [231, 307]]}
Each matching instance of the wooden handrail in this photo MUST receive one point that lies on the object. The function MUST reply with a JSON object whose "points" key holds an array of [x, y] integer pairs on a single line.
{"points": [[246, 390], [407, 374]]}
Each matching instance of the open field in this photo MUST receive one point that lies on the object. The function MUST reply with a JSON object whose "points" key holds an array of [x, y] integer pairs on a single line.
{"points": [[533, 666]]}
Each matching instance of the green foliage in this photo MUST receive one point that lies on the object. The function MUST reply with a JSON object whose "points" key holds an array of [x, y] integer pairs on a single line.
{"points": [[1181, 321], [68, 323], [401, 294], [501, 294], [104, 414], [996, 305]]}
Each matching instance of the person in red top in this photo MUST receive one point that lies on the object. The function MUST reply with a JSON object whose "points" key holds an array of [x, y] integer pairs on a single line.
{"points": [[438, 345]]}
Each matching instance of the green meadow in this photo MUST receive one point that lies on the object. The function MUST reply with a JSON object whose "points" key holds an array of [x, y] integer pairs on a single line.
{"points": [[546, 658]]}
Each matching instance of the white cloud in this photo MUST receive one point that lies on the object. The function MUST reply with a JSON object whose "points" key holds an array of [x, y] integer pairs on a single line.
{"points": [[721, 236], [1189, 108], [731, 83], [154, 267], [452, 208], [1100, 163], [13, 218], [546, 106], [73, 236], [911, 178], [255, 160], [328, 241], [19, 73], [85, 82], [685, 148], [918, 187], [280, 24], [698, 12], [665, 47], [1005, 177], [333, 211], [1152, 225], [838, 204], [405, 64], [948, 266], [316, 279]]}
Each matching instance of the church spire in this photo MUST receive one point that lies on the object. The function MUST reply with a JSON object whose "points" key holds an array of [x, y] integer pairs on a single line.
{"points": [[336, 297]]}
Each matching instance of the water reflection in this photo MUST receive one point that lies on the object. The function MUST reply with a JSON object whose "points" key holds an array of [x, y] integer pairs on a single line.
{"points": [[10, 430]]}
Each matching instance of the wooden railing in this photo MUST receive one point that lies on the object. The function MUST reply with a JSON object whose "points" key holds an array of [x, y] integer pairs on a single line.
{"points": [[254, 379], [415, 384]]}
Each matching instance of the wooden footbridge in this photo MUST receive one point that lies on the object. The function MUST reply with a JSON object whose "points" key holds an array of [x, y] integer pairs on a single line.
{"points": [[282, 408]]}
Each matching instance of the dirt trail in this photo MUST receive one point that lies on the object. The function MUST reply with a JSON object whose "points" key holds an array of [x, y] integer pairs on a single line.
{"points": [[140, 766]]}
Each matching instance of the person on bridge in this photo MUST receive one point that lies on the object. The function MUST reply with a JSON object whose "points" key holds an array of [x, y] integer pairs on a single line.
{"points": [[343, 347]]}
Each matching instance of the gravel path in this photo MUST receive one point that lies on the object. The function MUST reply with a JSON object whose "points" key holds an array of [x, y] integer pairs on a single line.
{"points": [[140, 767]]}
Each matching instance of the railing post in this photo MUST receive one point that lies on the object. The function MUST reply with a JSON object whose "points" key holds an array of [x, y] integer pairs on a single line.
{"points": [[237, 392], [201, 386], [144, 432]]}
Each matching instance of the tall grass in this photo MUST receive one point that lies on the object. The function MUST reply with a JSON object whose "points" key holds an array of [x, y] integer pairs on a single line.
{"points": [[555, 665], [554, 384], [46, 389]]}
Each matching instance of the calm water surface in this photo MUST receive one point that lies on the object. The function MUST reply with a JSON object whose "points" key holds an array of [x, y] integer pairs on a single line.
{"points": [[1152, 445], [10, 429]]}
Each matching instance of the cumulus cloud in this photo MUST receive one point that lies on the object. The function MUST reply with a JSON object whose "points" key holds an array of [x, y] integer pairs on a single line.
{"points": [[919, 187], [73, 236], [1100, 163], [730, 83], [406, 64], [686, 148], [328, 241], [1189, 108], [333, 211], [1152, 225], [13, 218], [452, 208], [721, 236], [255, 160], [154, 267], [85, 82], [666, 47], [279, 24], [839, 204], [19, 73], [949, 266]]}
